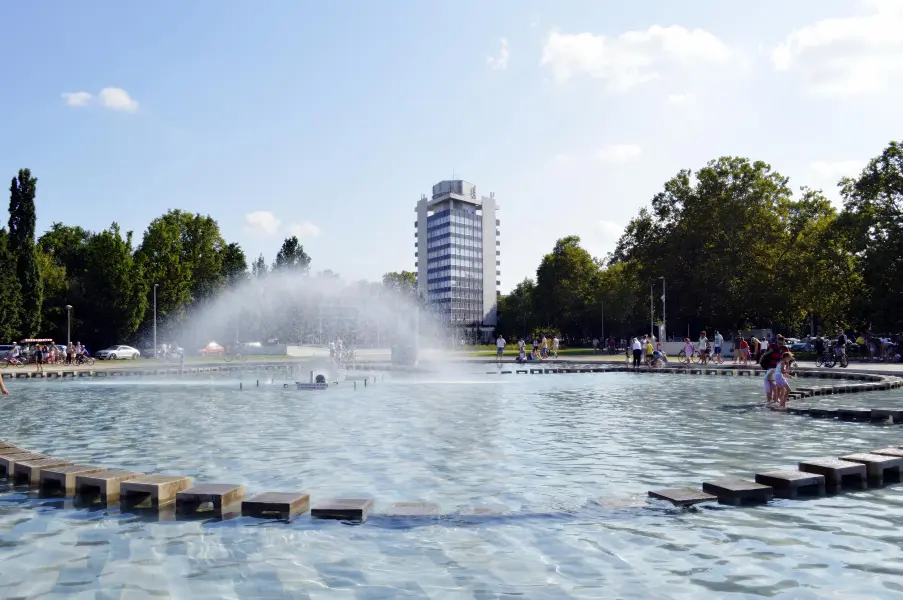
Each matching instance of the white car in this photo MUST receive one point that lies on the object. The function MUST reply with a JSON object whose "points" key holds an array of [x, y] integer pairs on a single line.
{"points": [[117, 352]]}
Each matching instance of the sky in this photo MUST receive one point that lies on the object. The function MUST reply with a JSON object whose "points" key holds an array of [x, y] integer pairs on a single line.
{"points": [[328, 120]]}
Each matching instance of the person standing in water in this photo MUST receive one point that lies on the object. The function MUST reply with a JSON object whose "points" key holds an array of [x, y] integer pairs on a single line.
{"points": [[637, 348], [499, 349]]}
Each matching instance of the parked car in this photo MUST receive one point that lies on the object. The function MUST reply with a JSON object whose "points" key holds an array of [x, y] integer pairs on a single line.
{"points": [[212, 349], [117, 352], [4, 350]]}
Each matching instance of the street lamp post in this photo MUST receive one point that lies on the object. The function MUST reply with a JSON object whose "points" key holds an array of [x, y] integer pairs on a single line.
{"points": [[664, 312], [651, 310], [155, 320], [68, 324]]}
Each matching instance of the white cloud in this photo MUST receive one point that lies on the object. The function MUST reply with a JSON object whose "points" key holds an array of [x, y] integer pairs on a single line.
{"points": [[825, 175], [304, 230], [499, 61], [681, 99], [79, 99], [601, 237], [632, 58], [846, 56], [117, 99], [619, 153], [261, 223]]}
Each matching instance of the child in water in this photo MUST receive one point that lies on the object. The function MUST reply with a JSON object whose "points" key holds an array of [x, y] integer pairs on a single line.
{"points": [[781, 375]]}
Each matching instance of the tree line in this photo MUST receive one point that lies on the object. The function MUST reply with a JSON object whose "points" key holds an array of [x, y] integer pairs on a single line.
{"points": [[109, 278], [737, 249]]}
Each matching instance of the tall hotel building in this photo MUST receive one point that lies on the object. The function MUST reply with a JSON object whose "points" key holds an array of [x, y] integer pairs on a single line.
{"points": [[457, 258]]}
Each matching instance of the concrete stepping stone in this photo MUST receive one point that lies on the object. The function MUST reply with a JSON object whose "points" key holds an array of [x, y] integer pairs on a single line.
{"points": [[879, 468], [793, 484], [839, 474], [883, 414], [60, 481], [682, 496], [889, 452], [28, 472], [8, 461], [413, 509], [152, 491], [216, 496], [854, 414], [736, 491], [823, 413], [102, 486], [795, 410], [485, 510], [273, 505], [344, 509]]}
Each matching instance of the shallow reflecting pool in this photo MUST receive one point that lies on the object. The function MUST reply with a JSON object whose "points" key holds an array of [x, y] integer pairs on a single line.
{"points": [[570, 457]]}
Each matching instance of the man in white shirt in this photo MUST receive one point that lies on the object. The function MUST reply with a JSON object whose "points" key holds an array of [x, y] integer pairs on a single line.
{"points": [[499, 348], [703, 348], [719, 342], [555, 344]]}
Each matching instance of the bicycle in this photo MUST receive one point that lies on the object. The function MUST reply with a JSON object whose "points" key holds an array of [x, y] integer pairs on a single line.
{"points": [[11, 360], [682, 355], [826, 359], [84, 360]]}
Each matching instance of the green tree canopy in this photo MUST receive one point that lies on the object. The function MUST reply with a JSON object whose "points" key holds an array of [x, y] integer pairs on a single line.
{"points": [[22, 217], [292, 257]]}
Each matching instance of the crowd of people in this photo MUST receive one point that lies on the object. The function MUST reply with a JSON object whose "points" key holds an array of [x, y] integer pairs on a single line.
{"points": [[541, 349]]}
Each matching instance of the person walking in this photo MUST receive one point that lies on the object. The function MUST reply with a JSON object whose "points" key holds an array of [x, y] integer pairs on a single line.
{"points": [[637, 352], [555, 344], [39, 358]]}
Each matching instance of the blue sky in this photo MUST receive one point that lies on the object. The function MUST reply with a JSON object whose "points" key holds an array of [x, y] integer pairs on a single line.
{"points": [[330, 119]]}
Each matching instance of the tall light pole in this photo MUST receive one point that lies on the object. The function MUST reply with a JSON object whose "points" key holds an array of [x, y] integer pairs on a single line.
{"points": [[155, 320], [602, 315], [664, 313], [651, 310], [68, 324]]}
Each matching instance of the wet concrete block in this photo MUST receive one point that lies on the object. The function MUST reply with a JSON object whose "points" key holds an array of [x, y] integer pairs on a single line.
{"points": [[889, 452], [102, 486], [839, 474], [276, 505], [152, 491], [854, 414], [485, 510], [879, 468], [736, 491], [682, 496], [28, 472], [823, 413], [8, 461], [795, 410], [209, 497], [413, 509], [793, 484], [60, 481], [885, 414], [344, 509]]}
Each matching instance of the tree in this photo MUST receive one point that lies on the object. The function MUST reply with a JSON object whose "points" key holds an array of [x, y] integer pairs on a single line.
{"points": [[10, 292], [517, 311], [186, 255], [56, 296], [114, 289], [873, 223], [292, 256], [22, 245], [66, 245], [564, 283], [234, 265], [403, 283], [259, 268]]}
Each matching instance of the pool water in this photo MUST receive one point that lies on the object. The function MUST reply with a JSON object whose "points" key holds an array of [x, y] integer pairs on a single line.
{"points": [[569, 457]]}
